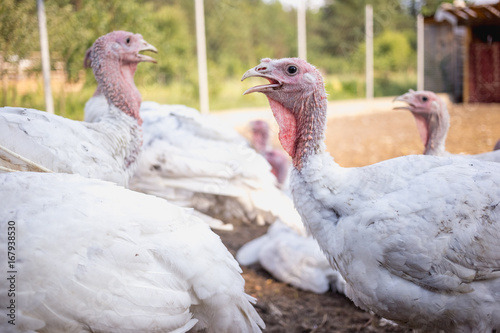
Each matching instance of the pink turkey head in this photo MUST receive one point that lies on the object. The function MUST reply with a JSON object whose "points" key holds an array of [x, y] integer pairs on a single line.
{"points": [[114, 58], [121, 46], [296, 95], [431, 115]]}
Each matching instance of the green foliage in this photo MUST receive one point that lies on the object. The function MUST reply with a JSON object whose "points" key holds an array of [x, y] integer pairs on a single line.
{"points": [[18, 30], [238, 32], [393, 52], [18, 34], [337, 28], [170, 33], [394, 84], [67, 104], [345, 86], [337, 32], [431, 6]]}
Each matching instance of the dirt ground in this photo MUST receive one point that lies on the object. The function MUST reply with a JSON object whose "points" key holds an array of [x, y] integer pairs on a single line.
{"points": [[356, 141]]}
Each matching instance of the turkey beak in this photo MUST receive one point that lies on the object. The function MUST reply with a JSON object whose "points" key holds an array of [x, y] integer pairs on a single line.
{"points": [[261, 71], [147, 47], [407, 98]]}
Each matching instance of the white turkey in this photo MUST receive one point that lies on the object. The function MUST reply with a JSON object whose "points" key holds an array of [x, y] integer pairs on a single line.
{"points": [[90, 256], [32, 140], [196, 161], [288, 254], [415, 237], [292, 257], [433, 121], [277, 159]]}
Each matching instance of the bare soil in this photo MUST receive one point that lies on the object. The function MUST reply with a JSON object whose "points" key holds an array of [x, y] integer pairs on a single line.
{"points": [[356, 141]]}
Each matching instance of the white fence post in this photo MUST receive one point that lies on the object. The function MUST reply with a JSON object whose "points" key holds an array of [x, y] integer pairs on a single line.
{"points": [[420, 52], [301, 27], [202, 56], [44, 47]]}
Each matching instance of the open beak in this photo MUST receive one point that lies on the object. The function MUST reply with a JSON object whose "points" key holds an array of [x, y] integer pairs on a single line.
{"points": [[147, 47], [254, 72], [407, 98]]}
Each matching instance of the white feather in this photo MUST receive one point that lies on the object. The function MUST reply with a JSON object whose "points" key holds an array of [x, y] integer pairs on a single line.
{"points": [[196, 161], [292, 258], [45, 142], [413, 236], [91, 256]]}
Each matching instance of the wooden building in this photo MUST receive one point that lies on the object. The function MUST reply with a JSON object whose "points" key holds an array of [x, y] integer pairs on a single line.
{"points": [[462, 52]]}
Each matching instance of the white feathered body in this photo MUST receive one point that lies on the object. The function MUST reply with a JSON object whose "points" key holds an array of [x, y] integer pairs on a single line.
{"points": [[106, 150], [94, 257], [194, 161], [416, 238], [490, 156], [292, 257]]}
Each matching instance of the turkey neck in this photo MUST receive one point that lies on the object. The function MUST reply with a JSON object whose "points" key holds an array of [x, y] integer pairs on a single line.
{"points": [[116, 81], [438, 124], [121, 123], [313, 166], [310, 115]]}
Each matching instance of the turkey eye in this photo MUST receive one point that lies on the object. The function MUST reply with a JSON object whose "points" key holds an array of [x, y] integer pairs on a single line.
{"points": [[424, 98], [127, 40], [292, 70]]}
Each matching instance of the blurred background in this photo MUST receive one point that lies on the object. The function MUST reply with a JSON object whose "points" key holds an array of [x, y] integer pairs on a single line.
{"points": [[238, 34]]}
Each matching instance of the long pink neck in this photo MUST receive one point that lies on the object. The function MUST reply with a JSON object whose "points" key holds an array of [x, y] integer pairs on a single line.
{"points": [[116, 81], [311, 125], [438, 125]]}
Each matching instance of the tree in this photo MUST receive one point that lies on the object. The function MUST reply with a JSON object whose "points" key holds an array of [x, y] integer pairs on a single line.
{"points": [[393, 52], [18, 37], [337, 31]]}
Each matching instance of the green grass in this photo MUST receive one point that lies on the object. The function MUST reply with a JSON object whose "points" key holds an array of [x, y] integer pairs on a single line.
{"points": [[394, 84], [353, 86], [225, 95], [66, 104], [172, 94], [228, 95]]}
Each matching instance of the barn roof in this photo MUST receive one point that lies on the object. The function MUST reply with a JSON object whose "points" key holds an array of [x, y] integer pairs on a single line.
{"points": [[460, 14]]}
